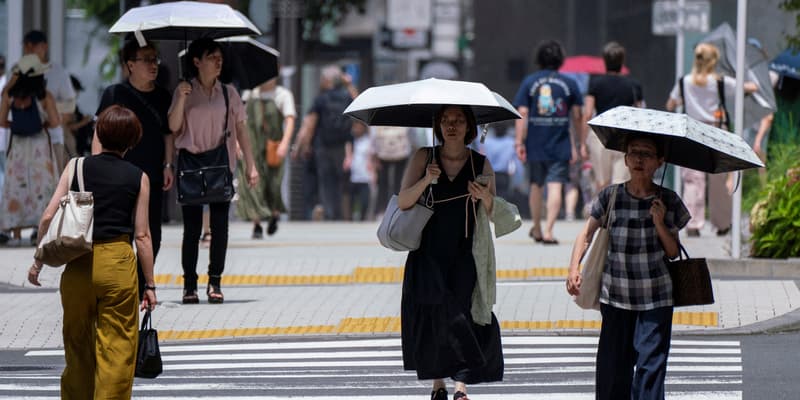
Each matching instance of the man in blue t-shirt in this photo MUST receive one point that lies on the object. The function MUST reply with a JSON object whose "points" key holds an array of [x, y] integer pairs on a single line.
{"points": [[547, 100]]}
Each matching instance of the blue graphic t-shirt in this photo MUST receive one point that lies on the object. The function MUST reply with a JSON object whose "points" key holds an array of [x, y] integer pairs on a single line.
{"points": [[549, 97]]}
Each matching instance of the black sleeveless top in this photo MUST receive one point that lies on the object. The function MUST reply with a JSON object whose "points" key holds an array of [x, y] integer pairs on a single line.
{"points": [[115, 185]]}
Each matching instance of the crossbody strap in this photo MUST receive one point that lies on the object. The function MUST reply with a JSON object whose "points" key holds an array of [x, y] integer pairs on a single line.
{"points": [[127, 85], [225, 96]]}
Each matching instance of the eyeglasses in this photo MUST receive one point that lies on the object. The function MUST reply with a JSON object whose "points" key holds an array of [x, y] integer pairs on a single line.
{"points": [[156, 60], [642, 155]]}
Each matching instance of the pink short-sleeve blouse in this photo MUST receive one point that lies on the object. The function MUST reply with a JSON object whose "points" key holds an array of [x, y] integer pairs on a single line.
{"points": [[204, 119]]}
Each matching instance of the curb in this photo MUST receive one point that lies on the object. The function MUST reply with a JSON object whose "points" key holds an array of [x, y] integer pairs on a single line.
{"points": [[755, 268]]}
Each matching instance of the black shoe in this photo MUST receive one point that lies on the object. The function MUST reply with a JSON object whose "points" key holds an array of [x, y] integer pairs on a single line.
{"points": [[693, 232], [4, 238], [34, 237], [272, 227], [439, 394], [723, 231], [258, 232]]}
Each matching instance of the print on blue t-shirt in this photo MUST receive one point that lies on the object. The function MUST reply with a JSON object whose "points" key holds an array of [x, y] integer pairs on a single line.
{"points": [[549, 97]]}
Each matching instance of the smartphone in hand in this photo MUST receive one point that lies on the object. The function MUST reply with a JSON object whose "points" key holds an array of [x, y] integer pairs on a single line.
{"points": [[483, 180]]}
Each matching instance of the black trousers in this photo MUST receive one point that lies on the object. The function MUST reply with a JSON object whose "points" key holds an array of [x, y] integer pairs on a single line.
{"points": [[156, 195], [192, 229]]}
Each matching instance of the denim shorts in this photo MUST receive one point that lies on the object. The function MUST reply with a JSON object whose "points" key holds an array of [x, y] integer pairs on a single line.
{"points": [[541, 172]]}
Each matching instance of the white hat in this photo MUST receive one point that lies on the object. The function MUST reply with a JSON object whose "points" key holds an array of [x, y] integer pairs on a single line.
{"points": [[31, 65]]}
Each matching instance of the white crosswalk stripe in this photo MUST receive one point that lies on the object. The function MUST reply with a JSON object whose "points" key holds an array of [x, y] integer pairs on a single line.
{"points": [[537, 367]]}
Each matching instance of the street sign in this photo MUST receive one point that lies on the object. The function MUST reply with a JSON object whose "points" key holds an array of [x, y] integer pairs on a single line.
{"points": [[415, 14], [666, 17]]}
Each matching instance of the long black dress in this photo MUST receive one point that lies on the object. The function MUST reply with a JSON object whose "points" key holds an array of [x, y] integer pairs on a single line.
{"points": [[439, 338]]}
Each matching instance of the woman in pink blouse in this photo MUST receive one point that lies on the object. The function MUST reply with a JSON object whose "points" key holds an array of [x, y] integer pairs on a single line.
{"points": [[197, 116]]}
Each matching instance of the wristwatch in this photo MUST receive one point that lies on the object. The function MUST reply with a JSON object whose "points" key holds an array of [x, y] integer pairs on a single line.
{"points": [[168, 165], [153, 288]]}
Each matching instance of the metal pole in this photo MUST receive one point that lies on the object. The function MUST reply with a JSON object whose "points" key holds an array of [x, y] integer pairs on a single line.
{"points": [[679, 61], [741, 34]]}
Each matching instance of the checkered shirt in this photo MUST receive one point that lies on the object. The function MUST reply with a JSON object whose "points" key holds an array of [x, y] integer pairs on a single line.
{"points": [[635, 275]]}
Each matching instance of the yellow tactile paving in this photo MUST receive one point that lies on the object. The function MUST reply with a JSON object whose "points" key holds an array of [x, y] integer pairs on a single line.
{"points": [[392, 325], [359, 275]]}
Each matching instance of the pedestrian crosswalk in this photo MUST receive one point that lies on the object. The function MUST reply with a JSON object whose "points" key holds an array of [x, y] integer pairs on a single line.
{"points": [[537, 367]]}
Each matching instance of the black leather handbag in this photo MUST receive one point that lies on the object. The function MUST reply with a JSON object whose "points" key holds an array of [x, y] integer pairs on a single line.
{"points": [[205, 178], [148, 355]]}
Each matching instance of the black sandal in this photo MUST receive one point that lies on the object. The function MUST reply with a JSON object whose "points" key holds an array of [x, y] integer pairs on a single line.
{"points": [[459, 395], [190, 297], [214, 295], [439, 394]]}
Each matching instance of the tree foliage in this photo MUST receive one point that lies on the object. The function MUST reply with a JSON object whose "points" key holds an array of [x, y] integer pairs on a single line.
{"points": [[321, 13], [793, 40]]}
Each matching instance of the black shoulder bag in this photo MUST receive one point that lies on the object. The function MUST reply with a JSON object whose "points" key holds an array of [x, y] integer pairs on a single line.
{"points": [[205, 178]]}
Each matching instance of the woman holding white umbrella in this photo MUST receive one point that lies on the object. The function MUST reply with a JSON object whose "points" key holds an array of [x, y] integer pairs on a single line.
{"points": [[440, 339]]}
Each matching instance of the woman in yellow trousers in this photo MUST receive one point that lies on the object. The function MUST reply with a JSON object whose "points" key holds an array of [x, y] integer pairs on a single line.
{"points": [[99, 290]]}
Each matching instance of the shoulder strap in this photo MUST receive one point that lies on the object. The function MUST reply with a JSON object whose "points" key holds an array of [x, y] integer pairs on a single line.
{"points": [[225, 96], [610, 207], [683, 97], [127, 85], [79, 170]]}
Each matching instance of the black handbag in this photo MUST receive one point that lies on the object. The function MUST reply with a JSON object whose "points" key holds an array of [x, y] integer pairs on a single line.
{"points": [[148, 355], [205, 178], [691, 281]]}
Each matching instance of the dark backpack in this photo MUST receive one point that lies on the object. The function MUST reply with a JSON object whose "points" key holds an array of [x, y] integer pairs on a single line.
{"points": [[334, 127], [26, 121]]}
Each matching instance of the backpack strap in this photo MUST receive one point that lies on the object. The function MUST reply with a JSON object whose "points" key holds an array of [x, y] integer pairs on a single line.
{"points": [[724, 117], [683, 97]]}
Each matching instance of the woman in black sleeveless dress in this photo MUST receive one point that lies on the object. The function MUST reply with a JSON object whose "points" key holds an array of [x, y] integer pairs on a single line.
{"points": [[439, 337]]}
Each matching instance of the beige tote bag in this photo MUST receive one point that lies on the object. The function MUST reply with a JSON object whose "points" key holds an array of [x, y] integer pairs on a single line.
{"points": [[595, 261]]}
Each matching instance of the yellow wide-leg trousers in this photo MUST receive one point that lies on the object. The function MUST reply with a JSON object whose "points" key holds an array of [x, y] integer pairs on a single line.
{"points": [[100, 300]]}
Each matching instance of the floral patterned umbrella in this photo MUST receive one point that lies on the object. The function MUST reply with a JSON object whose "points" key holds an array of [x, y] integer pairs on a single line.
{"points": [[688, 142]]}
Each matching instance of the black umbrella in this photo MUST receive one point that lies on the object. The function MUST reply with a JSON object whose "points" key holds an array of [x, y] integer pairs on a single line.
{"points": [[247, 63]]}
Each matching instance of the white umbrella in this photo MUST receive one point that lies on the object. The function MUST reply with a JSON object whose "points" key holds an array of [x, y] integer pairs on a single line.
{"points": [[413, 104], [184, 20], [688, 142]]}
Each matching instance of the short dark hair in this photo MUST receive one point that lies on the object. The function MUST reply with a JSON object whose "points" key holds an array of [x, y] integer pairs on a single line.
{"points": [[131, 48], [613, 56], [550, 55], [118, 128], [34, 37], [655, 140], [198, 49], [472, 126]]}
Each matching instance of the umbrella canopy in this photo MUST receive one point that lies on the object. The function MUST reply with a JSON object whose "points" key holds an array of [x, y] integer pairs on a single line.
{"points": [[688, 142], [787, 64], [184, 20], [760, 103], [247, 63], [413, 104], [592, 65]]}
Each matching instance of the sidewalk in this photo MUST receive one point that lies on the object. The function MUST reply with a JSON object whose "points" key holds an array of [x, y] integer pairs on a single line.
{"points": [[335, 279]]}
